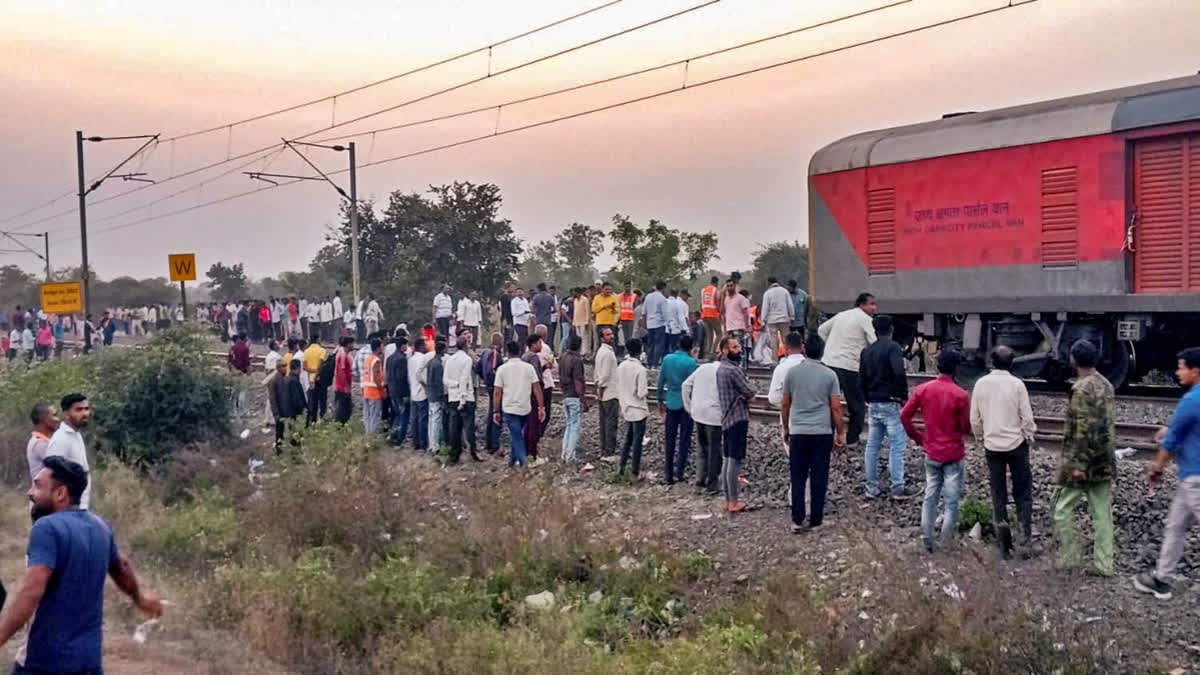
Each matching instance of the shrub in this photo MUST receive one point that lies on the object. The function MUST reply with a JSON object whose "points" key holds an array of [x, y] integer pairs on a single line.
{"points": [[972, 511], [194, 534]]}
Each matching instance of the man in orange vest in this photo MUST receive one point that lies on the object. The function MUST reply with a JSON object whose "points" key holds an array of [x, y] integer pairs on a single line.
{"points": [[710, 314], [373, 387], [626, 302]]}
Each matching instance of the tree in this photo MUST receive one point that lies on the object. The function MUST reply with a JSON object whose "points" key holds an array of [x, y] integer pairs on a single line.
{"points": [[228, 282], [783, 260], [567, 260], [17, 287], [657, 252], [455, 236], [540, 263]]}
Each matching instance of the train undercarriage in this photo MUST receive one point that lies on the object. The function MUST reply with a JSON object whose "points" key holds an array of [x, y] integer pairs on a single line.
{"points": [[1131, 345]]}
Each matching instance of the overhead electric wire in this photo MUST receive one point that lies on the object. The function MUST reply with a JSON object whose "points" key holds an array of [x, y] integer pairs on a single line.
{"points": [[334, 125], [527, 99], [615, 78], [591, 111]]}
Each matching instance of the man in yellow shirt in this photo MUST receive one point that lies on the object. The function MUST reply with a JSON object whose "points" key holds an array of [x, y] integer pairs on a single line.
{"points": [[605, 309], [314, 355], [581, 317]]}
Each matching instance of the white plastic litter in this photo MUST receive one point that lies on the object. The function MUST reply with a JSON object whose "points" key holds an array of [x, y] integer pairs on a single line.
{"points": [[143, 630], [245, 434], [1126, 453], [701, 516], [951, 589]]}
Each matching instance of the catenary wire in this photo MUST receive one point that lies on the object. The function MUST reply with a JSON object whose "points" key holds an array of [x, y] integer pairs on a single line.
{"points": [[258, 152], [590, 111]]}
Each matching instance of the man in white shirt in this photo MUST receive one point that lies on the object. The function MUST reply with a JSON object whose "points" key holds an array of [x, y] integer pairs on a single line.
{"points": [[314, 321], [632, 389], [606, 392], [675, 326], [326, 317], [470, 316], [151, 323], [512, 394], [777, 312], [703, 403], [302, 308], [656, 325], [458, 378], [795, 354], [339, 315], [373, 314], [1002, 420], [443, 311], [67, 440], [846, 335], [521, 316], [418, 414]]}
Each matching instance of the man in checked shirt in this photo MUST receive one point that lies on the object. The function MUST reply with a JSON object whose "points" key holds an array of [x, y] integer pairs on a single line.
{"points": [[735, 394]]}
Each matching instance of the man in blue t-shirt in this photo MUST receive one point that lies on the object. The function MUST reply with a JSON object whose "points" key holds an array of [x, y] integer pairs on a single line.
{"points": [[70, 553], [1181, 440]]}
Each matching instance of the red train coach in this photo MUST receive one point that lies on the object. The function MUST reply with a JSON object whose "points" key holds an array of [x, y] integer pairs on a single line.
{"points": [[1031, 226]]}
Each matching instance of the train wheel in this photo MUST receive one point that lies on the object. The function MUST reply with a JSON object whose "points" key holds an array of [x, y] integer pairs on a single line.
{"points": [[1121, 365]]}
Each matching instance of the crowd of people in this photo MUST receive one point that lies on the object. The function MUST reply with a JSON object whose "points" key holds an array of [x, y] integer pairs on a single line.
{"points": [[649, 350]]}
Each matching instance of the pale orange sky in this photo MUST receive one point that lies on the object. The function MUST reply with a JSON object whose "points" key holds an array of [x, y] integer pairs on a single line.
{"points": [[731, 157]]}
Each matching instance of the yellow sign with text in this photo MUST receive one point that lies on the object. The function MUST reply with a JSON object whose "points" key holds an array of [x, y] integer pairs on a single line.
{"points": [[183, 266], [62, 297]]}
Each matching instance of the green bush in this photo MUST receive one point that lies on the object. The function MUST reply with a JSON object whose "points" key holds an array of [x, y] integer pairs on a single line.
{"points": [[145, 402], [973, 511], [196, 533]]}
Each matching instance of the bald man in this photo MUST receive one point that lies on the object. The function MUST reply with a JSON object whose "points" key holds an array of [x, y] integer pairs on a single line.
{"points": [[1002, 421]]}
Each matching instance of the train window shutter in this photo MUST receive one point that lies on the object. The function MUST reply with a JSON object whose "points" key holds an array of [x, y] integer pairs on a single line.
{"points": [[1060, 217], [881, 231], [1166, 200]]}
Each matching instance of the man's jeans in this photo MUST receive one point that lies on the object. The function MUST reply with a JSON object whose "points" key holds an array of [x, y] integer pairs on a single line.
{"points": [[609, 411], [945, 479], [808, 464], [709, 469], [462, 423], [1001, 465], [574, 413], [656, 339], [399, 420], [343, 405], [443, 326], [372, 410], [516, 425], [492, 437], [419, 419], [885, 417], [635, 432], [1184, 511], [436, 409], [678, 427], [856, 402], [1099, 500]]}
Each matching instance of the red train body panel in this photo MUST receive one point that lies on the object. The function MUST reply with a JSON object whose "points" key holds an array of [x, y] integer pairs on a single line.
{"points": [[1032, 226]]}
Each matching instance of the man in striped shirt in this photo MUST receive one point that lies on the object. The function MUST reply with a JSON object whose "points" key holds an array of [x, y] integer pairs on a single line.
{"points": [[735, 394]]}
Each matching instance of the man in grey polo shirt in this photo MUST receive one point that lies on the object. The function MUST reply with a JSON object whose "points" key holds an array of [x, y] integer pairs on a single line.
{"points": [[810, 410]]}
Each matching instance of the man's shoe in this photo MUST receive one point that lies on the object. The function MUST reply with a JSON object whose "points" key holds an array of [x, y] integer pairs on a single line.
{"points": [[475, 456], [872, 495], [1148, 583], [797, 529], [903, 494]]}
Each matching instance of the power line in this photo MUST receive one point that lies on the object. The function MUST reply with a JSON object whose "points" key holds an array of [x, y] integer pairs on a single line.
{"points": [[590, 111], [258, 152], [392, 78], [527, 99], [615, 78]]}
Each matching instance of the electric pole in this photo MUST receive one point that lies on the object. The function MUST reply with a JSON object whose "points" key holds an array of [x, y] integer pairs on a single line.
{"points": [[354, 222]]}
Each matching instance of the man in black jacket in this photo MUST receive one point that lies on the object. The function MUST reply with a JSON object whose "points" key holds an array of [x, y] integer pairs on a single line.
{"points": [[881, 371], [287, 399], [396, 374]]}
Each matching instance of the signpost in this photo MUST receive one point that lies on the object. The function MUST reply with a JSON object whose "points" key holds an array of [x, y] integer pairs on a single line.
{"points": [[62, 297], [183, 268]]}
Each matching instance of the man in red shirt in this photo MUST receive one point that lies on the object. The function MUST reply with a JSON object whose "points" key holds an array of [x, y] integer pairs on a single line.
{"points": [[343, 379], [947, 413]]}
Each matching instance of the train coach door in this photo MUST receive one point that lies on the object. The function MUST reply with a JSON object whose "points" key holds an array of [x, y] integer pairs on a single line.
{"points": [[1166, 214]]}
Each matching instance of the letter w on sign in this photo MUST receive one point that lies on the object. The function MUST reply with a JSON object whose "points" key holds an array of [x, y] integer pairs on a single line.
{"points": [[183, 266]]}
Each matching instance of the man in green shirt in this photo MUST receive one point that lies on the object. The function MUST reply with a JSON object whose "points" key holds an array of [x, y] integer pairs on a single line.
{"points": [[1088, 461], [676, 368]]}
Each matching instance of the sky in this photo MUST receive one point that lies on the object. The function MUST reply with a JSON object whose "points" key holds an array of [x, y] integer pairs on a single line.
{"points": [[729, 157]]}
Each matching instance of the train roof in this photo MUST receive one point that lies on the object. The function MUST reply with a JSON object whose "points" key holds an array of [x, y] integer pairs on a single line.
{"points": [[1143, 105]]}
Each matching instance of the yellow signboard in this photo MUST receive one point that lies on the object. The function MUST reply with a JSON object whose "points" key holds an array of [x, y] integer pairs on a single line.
{"points": [[183, 266], [62, 297]]}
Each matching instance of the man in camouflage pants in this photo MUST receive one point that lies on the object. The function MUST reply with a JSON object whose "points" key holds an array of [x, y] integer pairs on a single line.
{"points": [[1089, 463]]}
